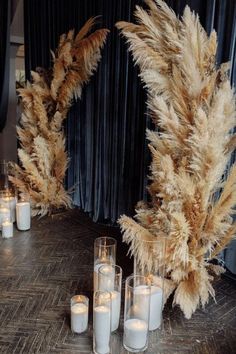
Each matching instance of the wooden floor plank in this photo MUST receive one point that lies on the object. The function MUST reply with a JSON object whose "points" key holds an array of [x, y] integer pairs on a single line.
{"points": [[40, 270]]}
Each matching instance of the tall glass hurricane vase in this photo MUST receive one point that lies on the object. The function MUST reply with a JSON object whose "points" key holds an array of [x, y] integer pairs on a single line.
{"points": [[109, 279], [101, 322], [104, 253], [136, 313], [7, 192], [154, 270]]}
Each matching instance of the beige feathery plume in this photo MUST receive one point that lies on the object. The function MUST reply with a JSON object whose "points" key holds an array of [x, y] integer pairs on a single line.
{"points": [[45, 102], [193, 107]]}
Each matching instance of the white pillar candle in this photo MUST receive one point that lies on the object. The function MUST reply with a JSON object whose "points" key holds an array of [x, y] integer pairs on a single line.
{"points": [[156, 301], [135, 333], [102, 328], [107, 280], [10, 203], [95, 275], [7, 229], [23, 217], [141, 302], [79, 317], [4, 214], [155, 312], [115, 310]]}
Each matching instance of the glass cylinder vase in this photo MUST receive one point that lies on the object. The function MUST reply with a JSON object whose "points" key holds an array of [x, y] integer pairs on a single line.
{"points": [[104, 253], [110, 279], [101, 322], [152, 266], [136, 313], [8, 199]]}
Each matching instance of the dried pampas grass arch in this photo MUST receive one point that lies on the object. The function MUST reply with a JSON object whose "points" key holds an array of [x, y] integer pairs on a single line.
{"points": [[193, 107], [46, 102]]}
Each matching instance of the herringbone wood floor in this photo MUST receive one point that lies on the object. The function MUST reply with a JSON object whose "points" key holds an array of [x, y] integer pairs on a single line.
{"points": [[41, 269]]}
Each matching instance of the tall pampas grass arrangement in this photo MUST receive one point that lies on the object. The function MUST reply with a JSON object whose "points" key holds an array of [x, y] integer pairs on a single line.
{"points": [[193, 107], [46, 102]]}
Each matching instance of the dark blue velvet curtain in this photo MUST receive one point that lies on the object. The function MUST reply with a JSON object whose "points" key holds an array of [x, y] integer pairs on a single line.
{"points": [[106, 129], [4, 59]]}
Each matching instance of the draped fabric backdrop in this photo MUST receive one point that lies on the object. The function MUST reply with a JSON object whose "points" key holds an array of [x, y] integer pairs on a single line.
{"points": [[106, 129], [4, 59]]}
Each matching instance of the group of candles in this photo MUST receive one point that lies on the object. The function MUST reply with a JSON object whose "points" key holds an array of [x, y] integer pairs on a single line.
{"points": [[12, 211], [143, 303]]}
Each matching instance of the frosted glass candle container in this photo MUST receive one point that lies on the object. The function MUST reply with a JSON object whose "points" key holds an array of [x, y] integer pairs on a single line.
{"points": [[136, 313], [79, 313], [104, 253], [7, 228], [101, 322], [110, 279], [23, 214], [5, 214], [155, 272]]}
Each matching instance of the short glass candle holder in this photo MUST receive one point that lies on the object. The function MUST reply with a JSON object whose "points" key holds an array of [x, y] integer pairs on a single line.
{"points": [[7, 228], [104, 253], [79, 313], [154, 271], [101, 322], [136, 313], [110, 279]]}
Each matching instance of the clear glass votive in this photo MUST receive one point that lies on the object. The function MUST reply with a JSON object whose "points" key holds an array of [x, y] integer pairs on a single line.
{"points": [[110, 279], [104, 253], [154, 270], [101, 322], [79, 313], [136, 313]]}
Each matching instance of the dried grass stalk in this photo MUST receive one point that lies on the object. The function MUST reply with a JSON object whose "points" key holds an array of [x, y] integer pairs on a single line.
{"points": [[193, 107], [45, 103]]}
